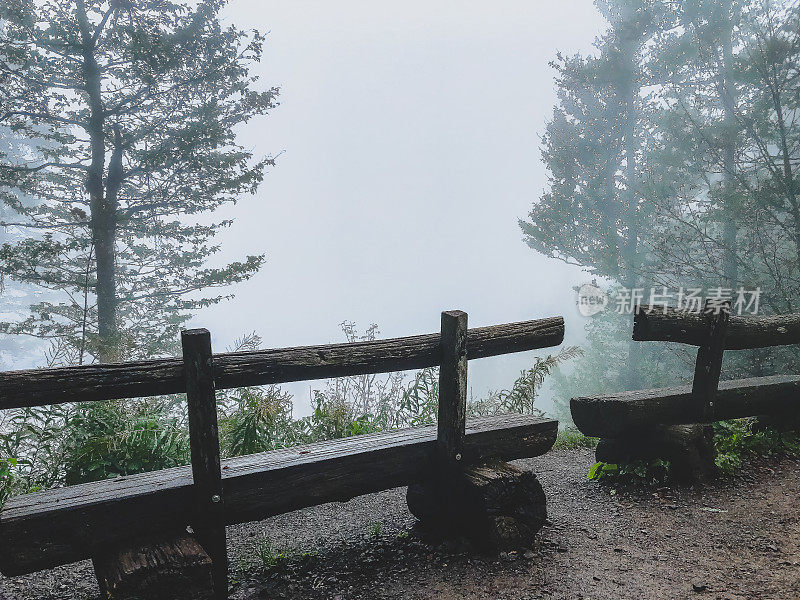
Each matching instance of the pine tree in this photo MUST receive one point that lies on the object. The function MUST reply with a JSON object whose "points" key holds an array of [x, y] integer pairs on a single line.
{"points": [[725, 154], [128, 110], [593, 213]]}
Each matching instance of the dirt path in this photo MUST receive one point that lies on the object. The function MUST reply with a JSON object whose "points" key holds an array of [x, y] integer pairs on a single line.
{"points": [[738, 539]]}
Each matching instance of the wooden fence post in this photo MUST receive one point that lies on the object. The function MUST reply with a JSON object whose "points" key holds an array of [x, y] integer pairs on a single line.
{"points": [[497, 505], [452, 390], [204, 441], [709, 360]]}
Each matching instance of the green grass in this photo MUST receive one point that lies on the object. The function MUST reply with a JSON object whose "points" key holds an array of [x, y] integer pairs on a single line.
{"points": [[266, 556], [570, 439], [375, 530]]}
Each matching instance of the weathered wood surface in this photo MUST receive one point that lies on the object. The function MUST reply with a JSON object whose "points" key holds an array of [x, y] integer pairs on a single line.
{"points": [[611, 415], [238, 369], [452, 390], [47, 529], [689, 448], [708, 365], [497, 506], [209, 522], [171, 568], [783, 422], [672, 325]]}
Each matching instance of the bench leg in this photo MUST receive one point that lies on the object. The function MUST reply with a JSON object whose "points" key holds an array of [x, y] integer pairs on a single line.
{"points": [[689, 448], [495, 505], [782, 423], [175, 568]]}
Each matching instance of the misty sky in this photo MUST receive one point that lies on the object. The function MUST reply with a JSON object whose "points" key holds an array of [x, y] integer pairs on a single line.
{"points": [[410, 135]]}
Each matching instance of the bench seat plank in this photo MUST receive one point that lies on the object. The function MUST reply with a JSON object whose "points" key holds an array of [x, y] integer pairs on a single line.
{"points": [[46, 529], [615, 414]]}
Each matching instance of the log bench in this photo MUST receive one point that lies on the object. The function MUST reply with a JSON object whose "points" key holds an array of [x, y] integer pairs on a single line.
{"points": [[675, 423], [161, 535], [55, 527]]}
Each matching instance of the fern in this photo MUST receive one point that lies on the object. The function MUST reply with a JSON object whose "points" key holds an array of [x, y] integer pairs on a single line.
{"points": [[522, 395]]}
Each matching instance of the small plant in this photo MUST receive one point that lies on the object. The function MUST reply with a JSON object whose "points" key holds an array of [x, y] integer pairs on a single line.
{"points": [[641, 471], [600, 469], [268, 555], [375, 530], [571, 439]]}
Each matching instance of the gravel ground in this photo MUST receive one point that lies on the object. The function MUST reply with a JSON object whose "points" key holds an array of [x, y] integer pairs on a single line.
{"points": [[738, 539]]}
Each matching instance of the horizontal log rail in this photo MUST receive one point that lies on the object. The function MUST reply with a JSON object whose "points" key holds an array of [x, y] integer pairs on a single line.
{"points": [[672, 325], [38, 387], [617, 414], [60, 526]]}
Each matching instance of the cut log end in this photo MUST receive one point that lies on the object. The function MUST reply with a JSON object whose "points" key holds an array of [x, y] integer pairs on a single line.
{"points": [[689, 449], [496, 506], [174, 568]]}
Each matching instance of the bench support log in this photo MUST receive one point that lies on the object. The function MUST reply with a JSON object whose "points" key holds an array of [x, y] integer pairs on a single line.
{"points": [[783, 422], [174, 568], [494, 505], [689, 449]]}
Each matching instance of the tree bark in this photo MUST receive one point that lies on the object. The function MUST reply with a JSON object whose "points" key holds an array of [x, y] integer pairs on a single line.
{"points": [[170, 569], [496, 506], [37, 387], [615, 414], [689, 449], [103, 219], [673, 325]]}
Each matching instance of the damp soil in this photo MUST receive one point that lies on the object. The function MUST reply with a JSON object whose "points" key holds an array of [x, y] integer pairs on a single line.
{"points": [[737, 538]]}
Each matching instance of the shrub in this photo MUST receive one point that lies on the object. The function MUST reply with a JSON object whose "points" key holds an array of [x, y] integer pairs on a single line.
{"points": [[110, 439], [8, 478], [260, 420], [737, 441], [522, 395]]}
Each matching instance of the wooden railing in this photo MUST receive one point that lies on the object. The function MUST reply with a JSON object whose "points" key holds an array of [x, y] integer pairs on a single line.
{"points": [[46, 529], [39, 387]]}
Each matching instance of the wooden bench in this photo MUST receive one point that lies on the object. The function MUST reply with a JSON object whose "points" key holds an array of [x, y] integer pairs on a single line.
{"points": [[46, 529], [673, 423], [135, 528]]}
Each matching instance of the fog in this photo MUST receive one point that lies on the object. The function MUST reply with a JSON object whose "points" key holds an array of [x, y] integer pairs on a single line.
{"points": [[409, 140]]}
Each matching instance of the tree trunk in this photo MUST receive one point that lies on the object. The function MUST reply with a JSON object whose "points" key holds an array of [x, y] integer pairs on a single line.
{"points": [[496, 506], [171, 569], [103, 210], [630, 251], [730, 126]]}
